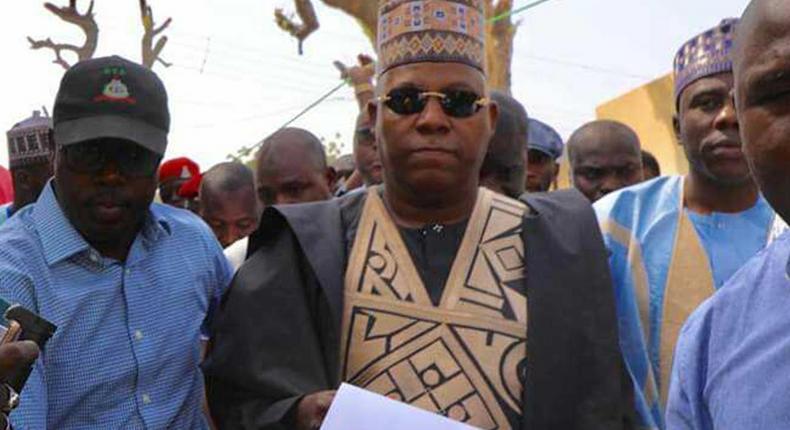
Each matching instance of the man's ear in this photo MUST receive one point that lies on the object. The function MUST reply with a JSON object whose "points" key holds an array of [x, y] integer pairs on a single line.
{"points": [[676, 128], [373, 111], [493, 115], [331, 177], [21, 179], [571, 178]]}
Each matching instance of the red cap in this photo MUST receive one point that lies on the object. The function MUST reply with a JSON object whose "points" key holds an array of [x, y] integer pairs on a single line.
{"points": [[178, 168], [191, 188], [6, 186]]}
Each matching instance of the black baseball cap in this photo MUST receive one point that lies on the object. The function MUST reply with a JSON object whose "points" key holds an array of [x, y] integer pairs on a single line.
{"points": [[112, 97]]}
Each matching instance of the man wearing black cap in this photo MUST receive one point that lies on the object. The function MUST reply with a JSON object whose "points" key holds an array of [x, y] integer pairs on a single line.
{"points": [[544, 148], [128, 283], [503, 166]]}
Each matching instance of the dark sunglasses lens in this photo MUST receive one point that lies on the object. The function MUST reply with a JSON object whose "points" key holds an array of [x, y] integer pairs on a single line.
{"points": [[460, 104], [139, 162], [130, 160], [83, 158], [405, 101]]}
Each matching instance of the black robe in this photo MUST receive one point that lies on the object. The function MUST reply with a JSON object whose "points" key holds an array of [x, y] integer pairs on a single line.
{"points": [[276, 336]]}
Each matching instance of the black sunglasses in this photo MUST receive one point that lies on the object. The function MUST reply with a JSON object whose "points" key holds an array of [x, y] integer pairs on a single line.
{"points": [[455, 103], [130, 159]]}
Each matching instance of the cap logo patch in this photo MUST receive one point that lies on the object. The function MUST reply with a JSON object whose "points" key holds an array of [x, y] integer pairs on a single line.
{"points": [[185, 174], [115, 91]]}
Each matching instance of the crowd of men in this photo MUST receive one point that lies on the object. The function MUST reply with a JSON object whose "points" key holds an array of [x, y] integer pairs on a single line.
{"points": [[431, 266]]}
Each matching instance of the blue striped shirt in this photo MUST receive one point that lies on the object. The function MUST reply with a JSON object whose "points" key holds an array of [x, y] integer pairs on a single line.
{"points": [[126, 353]]}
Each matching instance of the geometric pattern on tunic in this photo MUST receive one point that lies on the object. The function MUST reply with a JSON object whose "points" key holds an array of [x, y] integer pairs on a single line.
{"points": [[466, 357]]}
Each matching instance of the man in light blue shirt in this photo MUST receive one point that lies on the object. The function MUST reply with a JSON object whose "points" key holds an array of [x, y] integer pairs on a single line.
{"points": [[128, 283], [731, 362]]}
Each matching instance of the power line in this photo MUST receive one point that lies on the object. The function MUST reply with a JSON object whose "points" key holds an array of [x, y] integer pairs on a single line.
{"points": [[314, 104], [582, 66], [236, 76], [265, 115], [232, 60], [512, 12]]}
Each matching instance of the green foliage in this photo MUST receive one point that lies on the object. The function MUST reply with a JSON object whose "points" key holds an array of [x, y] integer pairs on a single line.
{"points": [[333, 147], [245, 155]]}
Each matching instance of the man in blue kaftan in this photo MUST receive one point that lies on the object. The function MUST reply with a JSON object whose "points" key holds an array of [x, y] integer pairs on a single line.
{"points": [[674, 241]]}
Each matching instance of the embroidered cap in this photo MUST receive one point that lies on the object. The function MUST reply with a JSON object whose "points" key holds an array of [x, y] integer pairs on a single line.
{"points": [[705, 55], [29, 141], [416, 31], [112, 97]]}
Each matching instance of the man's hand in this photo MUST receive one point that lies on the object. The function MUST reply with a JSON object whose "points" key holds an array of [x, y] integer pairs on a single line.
{"points": [[362, 73], [16, 355], [312, 409], [359, 74], [13, 356]]}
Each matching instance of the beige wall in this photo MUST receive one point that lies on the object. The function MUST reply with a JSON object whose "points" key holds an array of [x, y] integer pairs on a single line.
{"points": [[648, 110]]}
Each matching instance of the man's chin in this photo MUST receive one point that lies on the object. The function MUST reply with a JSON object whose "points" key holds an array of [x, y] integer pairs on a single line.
{"points": [[108, 227], [435, 180], [731, 178]]}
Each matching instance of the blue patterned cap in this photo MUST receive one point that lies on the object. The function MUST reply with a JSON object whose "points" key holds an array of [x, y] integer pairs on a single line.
{"points": [[705, 55], [544, 139]]}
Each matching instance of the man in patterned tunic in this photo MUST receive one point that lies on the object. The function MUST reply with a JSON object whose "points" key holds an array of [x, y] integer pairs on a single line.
{"points": [[30, 159], [429, 289]]}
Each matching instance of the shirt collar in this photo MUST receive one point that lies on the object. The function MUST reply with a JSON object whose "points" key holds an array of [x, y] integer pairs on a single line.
{"points": [[61, 240], [156, 226]]}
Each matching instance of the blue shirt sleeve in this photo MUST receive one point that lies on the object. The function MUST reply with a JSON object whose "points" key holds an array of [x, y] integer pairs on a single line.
{"points": [[686, 408], [223, 275]]}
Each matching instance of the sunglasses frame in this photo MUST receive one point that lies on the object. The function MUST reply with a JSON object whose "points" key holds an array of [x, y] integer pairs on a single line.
{"points": [[479, 103], [123, 168]]}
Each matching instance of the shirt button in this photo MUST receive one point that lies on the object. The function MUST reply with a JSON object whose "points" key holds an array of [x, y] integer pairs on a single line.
{"points": [[93, 257], [138, 335], [146, 399], [128, 272]]}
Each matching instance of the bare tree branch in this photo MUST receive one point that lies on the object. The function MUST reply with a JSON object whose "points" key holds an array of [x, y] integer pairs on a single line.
{"points": [[500, 34], [85, 21], [306, 13], [364, 11], [152, 51]]}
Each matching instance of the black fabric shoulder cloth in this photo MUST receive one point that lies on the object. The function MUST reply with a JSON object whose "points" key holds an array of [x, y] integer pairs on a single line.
{"points": [[574, 357]]}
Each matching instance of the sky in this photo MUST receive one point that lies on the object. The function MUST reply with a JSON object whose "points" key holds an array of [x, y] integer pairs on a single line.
{"points": [[236, 77]]}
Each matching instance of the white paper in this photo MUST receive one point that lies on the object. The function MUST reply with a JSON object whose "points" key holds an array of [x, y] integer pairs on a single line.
{"points": [[357, 409]]}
